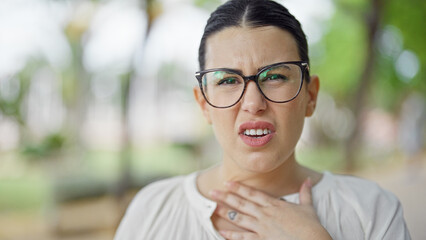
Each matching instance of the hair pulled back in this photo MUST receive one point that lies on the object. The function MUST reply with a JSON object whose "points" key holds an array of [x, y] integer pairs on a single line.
{"points": [[253, 13]]}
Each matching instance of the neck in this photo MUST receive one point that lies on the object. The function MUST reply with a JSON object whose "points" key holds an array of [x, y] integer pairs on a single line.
{"points": [[280, 181]]}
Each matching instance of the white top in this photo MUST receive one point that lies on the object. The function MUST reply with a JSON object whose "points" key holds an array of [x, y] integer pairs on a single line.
{"points": [[348, 207]]}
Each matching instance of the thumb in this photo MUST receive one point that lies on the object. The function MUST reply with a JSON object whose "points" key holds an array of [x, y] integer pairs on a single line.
{"points": [[305, 193]]}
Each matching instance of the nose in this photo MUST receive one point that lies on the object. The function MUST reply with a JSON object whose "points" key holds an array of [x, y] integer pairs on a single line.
{"points": [[253, 100]]}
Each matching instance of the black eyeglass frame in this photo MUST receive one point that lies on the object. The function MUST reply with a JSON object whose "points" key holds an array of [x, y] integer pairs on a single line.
{"points": [[303, 65]]}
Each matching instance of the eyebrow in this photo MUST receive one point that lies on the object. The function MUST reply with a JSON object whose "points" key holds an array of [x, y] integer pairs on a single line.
{"points": [[260, 68], [241, 72], [269, 65]]}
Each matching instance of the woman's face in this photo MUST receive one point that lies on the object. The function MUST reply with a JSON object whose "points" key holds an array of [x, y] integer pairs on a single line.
{"points": [[248, 49]]}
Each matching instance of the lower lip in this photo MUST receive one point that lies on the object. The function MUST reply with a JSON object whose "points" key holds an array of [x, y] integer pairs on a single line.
{"points": [[256, 142]]}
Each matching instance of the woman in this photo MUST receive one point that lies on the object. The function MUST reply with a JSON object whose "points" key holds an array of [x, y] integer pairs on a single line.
{"points": [[255, 90]]}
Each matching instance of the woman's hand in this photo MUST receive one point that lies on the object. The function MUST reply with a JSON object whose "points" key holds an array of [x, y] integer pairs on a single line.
{"points": [[268, 218]]}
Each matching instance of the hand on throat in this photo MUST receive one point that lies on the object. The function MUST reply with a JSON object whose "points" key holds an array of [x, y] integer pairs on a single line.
{"points": [[279, 181]]}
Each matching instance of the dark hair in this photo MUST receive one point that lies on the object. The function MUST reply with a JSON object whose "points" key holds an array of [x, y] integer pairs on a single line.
{"points": [[253, 13]]}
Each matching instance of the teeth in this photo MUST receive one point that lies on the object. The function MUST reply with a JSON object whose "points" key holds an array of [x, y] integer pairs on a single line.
{"points": [[256, 132]]}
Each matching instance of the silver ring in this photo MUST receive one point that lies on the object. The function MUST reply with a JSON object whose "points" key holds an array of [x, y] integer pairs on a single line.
{"points": [[232, 214]]}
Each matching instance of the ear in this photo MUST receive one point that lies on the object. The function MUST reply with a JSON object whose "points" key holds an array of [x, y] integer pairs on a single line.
{"points": [[313, 89], [202, 103]]}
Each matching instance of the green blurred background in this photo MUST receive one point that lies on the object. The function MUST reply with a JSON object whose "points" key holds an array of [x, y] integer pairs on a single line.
{"points": [[96, 102]]}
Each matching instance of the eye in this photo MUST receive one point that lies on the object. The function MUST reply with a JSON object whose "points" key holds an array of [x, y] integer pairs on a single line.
{"points": [[274, 77], [228, 81]]}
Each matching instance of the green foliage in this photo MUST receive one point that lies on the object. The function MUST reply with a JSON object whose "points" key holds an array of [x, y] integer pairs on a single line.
{"points": [[340, 56], [385, 90], [12, 107], [409, 17], [405, 16], [49, 145], [207, 4], [341, 62], [355, 5]]}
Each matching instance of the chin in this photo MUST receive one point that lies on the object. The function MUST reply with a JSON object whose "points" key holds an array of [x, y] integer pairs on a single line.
{"points": [[259, 163]]}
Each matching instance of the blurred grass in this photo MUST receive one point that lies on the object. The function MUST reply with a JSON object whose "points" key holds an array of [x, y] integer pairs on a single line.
{"points": [[23, 193], [322, 159], [166, 160], [99, 172]]}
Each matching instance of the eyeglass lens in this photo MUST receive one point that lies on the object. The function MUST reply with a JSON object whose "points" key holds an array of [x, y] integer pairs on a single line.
{"points": [[279, 83]]}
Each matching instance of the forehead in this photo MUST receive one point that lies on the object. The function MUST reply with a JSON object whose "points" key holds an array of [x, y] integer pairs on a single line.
{"points": [[248, 48]]}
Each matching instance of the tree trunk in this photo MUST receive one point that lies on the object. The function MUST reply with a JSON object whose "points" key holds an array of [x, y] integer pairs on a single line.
{"points": [[372, 25], [125, 180]]}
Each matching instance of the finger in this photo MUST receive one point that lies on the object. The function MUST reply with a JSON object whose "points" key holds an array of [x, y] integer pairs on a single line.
{"points": [[233, 235], [249, 193], [236, 202], [305, 193], [237, 218]]}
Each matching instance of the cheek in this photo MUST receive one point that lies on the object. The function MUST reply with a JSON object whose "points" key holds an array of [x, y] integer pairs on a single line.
{"points": [[291, 121], [298, 107], [223, 121]]}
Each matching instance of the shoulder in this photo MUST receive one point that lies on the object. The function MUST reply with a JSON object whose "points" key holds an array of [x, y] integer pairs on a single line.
{"points": [[157, 192], [354, 184], [151, 204], [363, 203], [362, 195], [366, 193], [167, 184]]}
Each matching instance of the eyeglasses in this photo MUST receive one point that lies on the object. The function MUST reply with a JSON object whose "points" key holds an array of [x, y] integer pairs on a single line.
{"points": [[279, 82]]}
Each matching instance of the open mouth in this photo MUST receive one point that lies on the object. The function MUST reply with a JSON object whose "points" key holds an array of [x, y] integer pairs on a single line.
{"points": [[257, 133]]}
